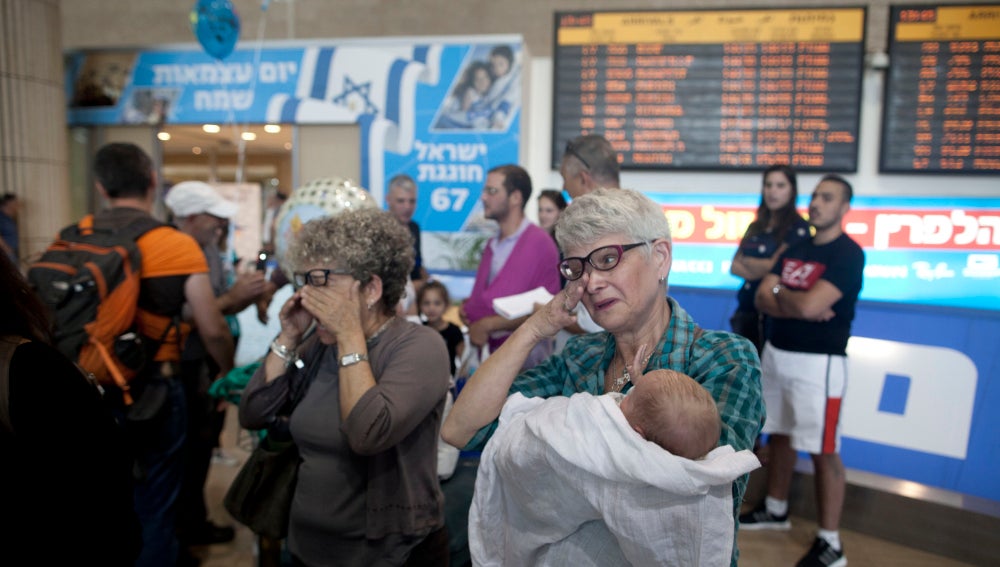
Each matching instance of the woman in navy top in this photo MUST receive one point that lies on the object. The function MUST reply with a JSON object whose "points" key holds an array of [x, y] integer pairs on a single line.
{"points": [[777, 226]]}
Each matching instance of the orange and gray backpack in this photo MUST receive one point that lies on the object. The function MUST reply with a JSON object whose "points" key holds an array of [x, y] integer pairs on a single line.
{"points": [[89, 278]]}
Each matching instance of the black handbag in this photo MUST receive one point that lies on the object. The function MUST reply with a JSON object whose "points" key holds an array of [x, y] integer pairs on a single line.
{"points": [[260, 496]]}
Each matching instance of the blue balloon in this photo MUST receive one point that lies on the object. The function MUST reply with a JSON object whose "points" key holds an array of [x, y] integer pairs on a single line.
{"points": [[216, 25]]}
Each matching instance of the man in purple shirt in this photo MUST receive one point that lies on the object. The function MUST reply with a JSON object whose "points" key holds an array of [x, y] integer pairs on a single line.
{"points": [[520, 258]]}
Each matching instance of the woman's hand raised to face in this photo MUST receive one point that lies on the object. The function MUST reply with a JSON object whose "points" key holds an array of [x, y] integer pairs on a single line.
{"points": [[295, 320], [559, 313], [337, 307]]}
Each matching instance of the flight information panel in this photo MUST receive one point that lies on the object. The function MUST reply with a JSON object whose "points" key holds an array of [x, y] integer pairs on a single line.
{"points": [[942, 97], [711, 90]]}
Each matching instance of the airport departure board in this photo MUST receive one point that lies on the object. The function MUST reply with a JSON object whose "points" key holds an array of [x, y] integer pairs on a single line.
{"points": [[712, 90], [942, 97]]}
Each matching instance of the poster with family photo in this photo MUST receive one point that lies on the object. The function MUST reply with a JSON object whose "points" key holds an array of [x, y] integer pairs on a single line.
{"points": [[486, 93]]}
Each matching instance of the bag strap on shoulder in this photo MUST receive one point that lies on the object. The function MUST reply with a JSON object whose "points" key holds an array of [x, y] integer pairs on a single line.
{"points": [[135, 229], [8, 345], [86, 225], [131, 231]]}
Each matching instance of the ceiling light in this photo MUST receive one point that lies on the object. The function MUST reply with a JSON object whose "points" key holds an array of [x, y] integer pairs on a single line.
{"points": [[248, 136], [288, 146], [211, 128], [196, 150], [272, 128], [163, 136]]}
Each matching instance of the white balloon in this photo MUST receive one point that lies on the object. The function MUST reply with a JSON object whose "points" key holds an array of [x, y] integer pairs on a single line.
{"points": [[323, 197]]}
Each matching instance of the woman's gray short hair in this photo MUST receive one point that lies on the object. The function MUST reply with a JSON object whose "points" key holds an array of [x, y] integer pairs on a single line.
{"points": [[366, 241], [595, 215]]}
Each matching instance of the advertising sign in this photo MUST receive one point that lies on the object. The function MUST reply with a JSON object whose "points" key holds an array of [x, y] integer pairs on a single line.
{"points": [[926, 250]]}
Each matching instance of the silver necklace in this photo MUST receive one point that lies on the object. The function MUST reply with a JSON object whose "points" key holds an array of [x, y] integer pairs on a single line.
{"points": [[380, 330], [626, 377], [623, 379]]}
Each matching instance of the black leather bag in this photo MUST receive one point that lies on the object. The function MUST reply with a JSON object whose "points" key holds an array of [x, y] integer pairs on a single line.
{"points": [[260, 496]]}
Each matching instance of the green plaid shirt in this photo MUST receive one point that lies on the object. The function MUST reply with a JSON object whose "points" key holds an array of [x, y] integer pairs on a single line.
{"points": [[724, 363]]}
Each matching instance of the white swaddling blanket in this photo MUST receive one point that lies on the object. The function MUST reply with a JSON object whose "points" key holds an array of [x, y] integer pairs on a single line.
{"points": [[554, 464]]}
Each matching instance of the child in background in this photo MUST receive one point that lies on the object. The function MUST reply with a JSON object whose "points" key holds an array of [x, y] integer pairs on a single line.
{"points": [[432, 302]]}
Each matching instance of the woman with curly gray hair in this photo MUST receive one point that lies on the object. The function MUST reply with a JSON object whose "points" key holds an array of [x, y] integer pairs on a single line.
{"points": [[367, 425]]}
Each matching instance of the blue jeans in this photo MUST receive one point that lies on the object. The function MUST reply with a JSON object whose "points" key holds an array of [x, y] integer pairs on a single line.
{"points": [[158, 447]]}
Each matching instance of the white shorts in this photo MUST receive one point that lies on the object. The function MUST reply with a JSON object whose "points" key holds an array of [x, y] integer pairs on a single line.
{"points": [[802, 395]]}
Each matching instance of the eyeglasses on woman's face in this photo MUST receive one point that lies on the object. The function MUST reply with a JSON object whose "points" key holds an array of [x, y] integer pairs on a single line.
{"points": [[604, 258], [317, 277]]}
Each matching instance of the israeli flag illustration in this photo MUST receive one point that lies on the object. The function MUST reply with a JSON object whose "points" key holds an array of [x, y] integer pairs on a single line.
{"points": [[374, 87]]}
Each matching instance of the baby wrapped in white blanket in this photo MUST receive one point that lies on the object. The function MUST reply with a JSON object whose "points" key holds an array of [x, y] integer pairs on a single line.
{"points": [[571, 481]]}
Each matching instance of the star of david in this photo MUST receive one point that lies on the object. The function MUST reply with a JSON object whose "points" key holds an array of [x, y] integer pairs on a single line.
{"points": [[362, 90]]}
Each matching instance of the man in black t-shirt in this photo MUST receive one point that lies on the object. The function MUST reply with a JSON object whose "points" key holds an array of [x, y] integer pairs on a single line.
{"points": [[811, 295]]}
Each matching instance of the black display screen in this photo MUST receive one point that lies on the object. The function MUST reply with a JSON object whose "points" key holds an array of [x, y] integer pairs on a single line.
{"points": [[942, 96], [711, 90]]}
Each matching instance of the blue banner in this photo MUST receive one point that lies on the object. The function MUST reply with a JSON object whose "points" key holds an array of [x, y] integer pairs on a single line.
{"points": [[443, 112]]}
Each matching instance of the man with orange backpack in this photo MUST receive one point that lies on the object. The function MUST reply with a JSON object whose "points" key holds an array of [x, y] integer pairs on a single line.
{"points": [[139, 368]]}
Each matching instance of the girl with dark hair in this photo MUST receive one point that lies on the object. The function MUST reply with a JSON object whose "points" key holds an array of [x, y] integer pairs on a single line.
{"points": [[432, 303], [778, 225], [550, 204], [63, 454]]}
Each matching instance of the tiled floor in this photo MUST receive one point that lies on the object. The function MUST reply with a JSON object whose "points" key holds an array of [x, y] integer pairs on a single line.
{"points": [[766, 549], [758, 549]]}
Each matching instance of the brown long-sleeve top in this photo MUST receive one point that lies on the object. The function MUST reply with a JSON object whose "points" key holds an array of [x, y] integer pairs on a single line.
{"points": [[372, 473]]}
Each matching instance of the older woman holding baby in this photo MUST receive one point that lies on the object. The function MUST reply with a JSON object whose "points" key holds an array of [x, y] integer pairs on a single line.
{"points": [[617, 255]]}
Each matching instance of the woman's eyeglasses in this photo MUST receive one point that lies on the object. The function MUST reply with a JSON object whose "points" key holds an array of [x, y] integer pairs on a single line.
{"points": [[317, 277], [604, 258], [571, 150]]}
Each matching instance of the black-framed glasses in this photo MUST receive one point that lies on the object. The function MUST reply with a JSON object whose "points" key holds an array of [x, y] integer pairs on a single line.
{"points": [[571, 150], [604, 258], [317, 277]]}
